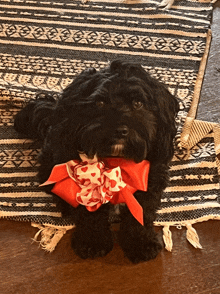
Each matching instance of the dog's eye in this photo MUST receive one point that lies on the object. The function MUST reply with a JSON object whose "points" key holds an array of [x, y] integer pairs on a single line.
{"points": [[100, 103], [137, 104]]}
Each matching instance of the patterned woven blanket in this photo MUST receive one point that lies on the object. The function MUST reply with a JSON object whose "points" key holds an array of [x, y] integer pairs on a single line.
{"points": [[45, 44]]}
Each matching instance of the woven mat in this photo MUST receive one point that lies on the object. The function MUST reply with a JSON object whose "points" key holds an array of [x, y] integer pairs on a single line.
{"points": [[45, 44]]}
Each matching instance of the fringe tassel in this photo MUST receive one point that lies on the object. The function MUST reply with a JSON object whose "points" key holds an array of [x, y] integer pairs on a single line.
{"points": [[50, 235], [166, 4], [192, 236], [167, 238]]}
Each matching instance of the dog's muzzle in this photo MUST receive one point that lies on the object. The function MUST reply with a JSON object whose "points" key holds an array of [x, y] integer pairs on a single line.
{"points": [[118, 148]]}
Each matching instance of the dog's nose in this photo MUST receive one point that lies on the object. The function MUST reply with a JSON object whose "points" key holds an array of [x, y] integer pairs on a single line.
{"points": [[123, 131]]}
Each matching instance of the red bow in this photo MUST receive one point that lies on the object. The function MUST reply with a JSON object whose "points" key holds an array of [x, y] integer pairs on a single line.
{"points": [[93, 183]]}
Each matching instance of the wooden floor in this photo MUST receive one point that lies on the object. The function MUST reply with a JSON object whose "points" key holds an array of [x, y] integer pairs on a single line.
{"points": [[27, 269]]}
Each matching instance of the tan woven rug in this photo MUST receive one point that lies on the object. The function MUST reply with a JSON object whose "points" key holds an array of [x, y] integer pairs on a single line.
{"points": [[45, 44]]}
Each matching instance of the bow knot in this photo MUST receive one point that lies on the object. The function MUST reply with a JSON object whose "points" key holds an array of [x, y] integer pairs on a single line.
{"points": [[98, 183]]}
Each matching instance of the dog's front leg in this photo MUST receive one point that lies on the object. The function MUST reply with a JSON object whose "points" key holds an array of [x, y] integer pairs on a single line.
{"points": [[138, 242], [92, 236]]}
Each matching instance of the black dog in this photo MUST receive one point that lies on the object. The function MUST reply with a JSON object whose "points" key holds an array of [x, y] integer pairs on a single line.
{"points": [[119, 111]]}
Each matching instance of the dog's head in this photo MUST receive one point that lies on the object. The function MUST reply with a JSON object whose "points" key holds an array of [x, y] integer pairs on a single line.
{"points": [[118, 111]]}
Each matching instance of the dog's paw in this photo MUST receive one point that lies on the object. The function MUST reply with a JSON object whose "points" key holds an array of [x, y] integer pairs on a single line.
{"points": [[146, 251], [92, 245], [140, 247]]}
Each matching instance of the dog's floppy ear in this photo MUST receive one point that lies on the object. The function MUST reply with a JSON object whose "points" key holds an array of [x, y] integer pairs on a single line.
{"points": [[167, 107]]}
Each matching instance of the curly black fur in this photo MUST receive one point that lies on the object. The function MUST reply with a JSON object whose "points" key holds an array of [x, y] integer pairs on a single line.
{"points": [[123, 106]]}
